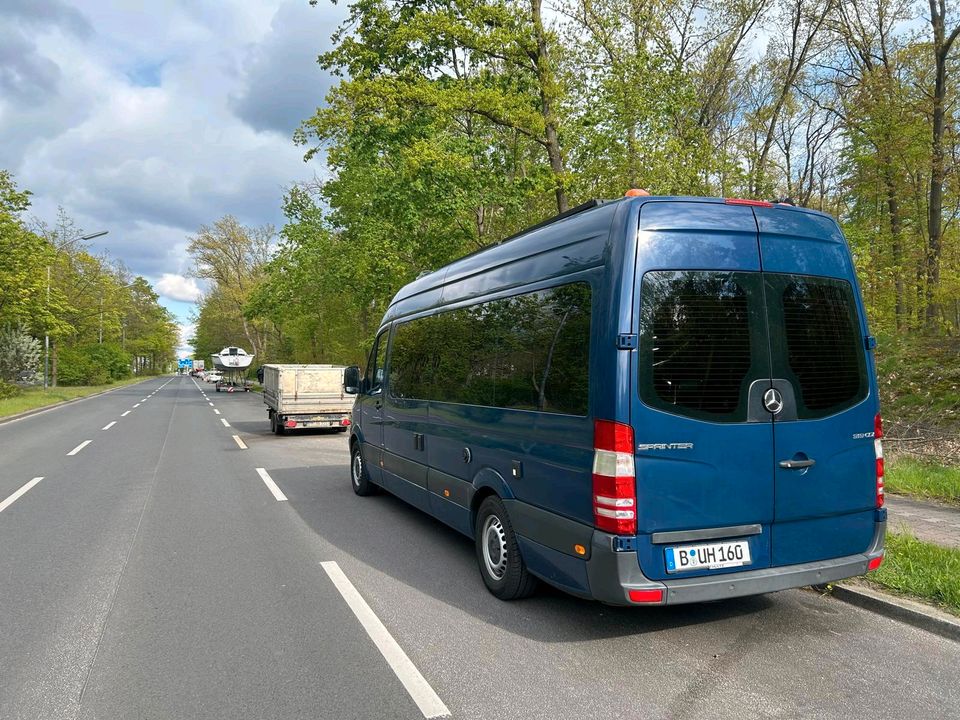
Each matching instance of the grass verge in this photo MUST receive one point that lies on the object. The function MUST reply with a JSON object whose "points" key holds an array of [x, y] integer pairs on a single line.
{"points": [[921, 570], [907, 476], [36, 397]]}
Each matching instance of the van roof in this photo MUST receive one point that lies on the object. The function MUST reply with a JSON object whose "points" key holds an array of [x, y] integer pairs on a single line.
{"points": [[537, 237]]}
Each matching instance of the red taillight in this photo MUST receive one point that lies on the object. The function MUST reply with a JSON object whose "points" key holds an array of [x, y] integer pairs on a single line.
{"points": [[614, 478], [291, 423], [744, 201], [345, 422], [645, 596], [874, 564], [878, 452]]}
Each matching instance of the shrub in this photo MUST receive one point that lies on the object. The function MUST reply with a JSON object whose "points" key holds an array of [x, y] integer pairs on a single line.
{"points": [[8, 390], [18, 351]]}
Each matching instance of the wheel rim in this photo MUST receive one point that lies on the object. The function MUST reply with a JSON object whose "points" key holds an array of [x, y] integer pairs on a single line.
{"points": [[356, 468], [494, 539]]}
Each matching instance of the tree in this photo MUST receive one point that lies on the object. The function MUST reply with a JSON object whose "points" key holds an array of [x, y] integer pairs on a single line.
{"points": [[19, 351], [942, 44], [232, 256]]}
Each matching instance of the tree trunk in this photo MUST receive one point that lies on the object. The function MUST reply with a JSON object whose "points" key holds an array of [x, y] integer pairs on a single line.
{"points": [[547, 82], [941, 51], [896, 237]]}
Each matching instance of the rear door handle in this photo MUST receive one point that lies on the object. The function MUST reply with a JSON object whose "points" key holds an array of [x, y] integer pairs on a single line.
{"points": [[797, 464]]}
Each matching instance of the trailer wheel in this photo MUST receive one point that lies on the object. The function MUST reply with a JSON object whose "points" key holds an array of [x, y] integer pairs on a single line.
{"points": [[276, 424]]}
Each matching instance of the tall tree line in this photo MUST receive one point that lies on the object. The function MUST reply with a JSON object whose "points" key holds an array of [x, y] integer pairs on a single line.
{"points": [[457, 122], [102, 321]]}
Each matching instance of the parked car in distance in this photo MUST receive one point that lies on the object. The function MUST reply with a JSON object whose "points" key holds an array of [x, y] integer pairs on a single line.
{"points": [[651, 400]]}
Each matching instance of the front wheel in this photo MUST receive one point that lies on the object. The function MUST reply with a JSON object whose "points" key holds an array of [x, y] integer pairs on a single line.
{"points": [[359, 477], [503, 570]]}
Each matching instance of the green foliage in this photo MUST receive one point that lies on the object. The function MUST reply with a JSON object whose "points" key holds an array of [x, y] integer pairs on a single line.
{"points": [[8, 390], [77, 366], [921, 569], [19, 351], [919, 381], [908, 476]]}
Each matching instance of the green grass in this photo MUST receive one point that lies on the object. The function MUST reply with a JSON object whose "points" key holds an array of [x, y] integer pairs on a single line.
{"points": [[920, 569], [907, 476], [919, 380], [36, 397]]}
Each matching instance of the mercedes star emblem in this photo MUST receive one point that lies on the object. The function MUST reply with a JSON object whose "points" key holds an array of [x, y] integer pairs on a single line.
{"points": [[773, 401]]}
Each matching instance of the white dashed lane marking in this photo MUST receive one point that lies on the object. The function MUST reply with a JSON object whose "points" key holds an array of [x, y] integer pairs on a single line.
{"points": [[79, 447], [19, 493]]}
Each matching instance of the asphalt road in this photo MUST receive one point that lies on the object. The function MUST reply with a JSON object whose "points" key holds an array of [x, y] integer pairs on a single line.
{"points": [[154, 574]]}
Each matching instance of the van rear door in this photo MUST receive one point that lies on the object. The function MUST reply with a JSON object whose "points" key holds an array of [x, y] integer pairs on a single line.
{"points": [[704, 445], [824, 469]]}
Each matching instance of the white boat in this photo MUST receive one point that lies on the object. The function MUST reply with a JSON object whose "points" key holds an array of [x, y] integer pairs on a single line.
{"points": [[232, 358]]}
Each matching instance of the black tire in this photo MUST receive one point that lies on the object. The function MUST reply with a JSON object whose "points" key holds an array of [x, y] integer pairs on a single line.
{"points": [[359, 478], [276, 427], [498, 554]]}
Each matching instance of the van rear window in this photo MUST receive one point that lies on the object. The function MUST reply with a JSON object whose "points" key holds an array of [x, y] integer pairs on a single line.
{"points": [[816, 342], [702, 340]]}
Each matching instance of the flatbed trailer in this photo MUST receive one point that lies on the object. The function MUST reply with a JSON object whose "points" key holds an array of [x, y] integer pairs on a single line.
{"points": [[304, 396]]}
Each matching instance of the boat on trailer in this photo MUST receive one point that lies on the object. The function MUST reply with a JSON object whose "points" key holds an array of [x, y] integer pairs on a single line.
{"points": [[232, 362]]}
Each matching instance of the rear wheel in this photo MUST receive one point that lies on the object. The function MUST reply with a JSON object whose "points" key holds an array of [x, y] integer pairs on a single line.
{"points": [[358, 473], [498, 554], [276, 427]]}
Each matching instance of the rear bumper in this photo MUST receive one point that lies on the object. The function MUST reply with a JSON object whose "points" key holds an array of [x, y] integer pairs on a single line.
{"points": [[613, 575]]}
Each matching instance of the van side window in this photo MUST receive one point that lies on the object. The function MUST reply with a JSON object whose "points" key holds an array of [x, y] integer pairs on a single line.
{"points": [[373, 377], [526, 352], [702, 341], [820, 352]]}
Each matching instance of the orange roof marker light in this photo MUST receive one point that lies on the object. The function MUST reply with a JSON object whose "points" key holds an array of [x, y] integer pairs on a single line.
{"points": [[636, 192]]}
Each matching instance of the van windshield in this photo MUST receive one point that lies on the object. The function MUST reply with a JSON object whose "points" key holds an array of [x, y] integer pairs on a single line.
{"points": [[706, 336]]}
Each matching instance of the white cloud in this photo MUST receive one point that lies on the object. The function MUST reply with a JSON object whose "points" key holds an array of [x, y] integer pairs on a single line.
{"points": [[178, 287], [149, 120]]}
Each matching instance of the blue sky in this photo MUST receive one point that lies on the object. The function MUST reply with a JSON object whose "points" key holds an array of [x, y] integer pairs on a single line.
{"points": [[151, 119]]}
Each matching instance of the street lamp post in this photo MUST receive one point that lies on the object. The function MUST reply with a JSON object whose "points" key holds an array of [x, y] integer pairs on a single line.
{"points": [[46, 337]]}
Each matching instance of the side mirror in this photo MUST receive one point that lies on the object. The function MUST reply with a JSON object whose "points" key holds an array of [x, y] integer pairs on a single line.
{"points": [[351, 380]]}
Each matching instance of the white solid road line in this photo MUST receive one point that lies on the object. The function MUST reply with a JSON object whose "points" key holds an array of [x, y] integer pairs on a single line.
{"points": [[79, 447], [13, 498], [124, 414], [240, 442], [216, 411], [423, 695], [271, 485], [109, 425], [224, 421]]}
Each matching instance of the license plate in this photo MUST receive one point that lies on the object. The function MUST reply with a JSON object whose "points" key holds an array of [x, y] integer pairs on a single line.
{"points": [[707, 557]]}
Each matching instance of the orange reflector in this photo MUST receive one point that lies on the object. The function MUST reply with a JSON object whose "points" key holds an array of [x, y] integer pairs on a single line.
{"points": [[645, 596], [579, 549], [874, 564], [446, 493], [636, 192]]}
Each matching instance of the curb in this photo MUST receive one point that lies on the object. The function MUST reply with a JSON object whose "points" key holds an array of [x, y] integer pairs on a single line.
{"points": [[46, 408], [908, 611]]}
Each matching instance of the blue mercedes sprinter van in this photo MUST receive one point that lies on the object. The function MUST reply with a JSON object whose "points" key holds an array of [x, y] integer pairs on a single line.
{"points": [[651, 400]]}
